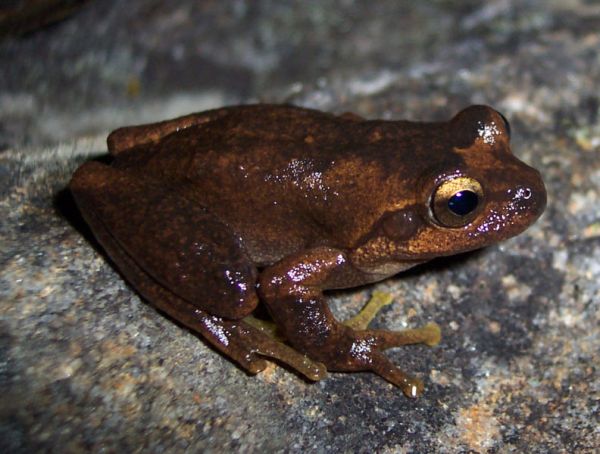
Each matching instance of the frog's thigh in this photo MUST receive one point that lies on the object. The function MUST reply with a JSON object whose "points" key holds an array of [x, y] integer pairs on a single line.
{"points": [[229, 337], [170, 236]]}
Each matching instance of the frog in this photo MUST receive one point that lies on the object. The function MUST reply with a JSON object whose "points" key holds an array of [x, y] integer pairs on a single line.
{"points": [[214, 215]]}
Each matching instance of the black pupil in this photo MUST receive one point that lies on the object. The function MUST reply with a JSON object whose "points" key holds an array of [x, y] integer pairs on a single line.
{"points": [[463, 202]]}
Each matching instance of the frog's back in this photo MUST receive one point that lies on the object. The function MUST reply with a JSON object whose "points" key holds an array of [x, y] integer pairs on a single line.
{"points": [[291, 121], [197, 143], [285, 178], [236, 162]]}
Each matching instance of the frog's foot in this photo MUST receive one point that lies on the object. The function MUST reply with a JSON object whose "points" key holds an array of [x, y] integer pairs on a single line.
{"points": [[246, 345], [365, 352], [429, 334], [269, 342]]}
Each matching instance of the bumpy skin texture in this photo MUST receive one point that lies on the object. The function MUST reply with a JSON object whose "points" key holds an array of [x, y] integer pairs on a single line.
{"points": [[208, 213]]}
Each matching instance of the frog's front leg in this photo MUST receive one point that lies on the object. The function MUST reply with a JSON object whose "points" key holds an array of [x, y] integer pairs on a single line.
{"points": [[293, 290]]}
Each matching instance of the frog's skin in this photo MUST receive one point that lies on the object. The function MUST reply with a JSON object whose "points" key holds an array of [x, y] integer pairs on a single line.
{"points": [[207, 214]]}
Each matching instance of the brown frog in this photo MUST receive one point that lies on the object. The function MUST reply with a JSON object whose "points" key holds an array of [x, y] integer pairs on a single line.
{"points": [[207, 214]]}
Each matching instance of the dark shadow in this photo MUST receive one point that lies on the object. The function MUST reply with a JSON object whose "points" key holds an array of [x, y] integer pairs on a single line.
{"points": [[64, 204], [433, 266], [442, 263]]}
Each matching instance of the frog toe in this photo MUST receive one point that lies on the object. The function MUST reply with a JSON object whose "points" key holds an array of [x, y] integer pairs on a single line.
{"points": [[260, 343], [377, 302], [410, 386], [429, 334]]}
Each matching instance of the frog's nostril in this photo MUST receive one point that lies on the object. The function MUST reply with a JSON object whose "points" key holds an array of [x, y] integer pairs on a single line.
{"points": [[523, 193], [532, 195]]}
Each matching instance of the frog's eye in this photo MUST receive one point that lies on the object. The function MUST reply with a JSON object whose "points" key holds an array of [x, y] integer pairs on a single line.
{"points": [[457, 202]]}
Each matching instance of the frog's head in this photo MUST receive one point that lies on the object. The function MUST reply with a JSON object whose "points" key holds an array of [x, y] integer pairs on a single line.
{"points": [[479, 194]]}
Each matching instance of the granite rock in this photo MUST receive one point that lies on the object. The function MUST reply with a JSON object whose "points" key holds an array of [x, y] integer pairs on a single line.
{"points": [[85, 365]]}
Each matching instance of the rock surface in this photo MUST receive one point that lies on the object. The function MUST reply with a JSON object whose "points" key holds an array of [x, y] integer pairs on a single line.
{"points": [[85, 365]]}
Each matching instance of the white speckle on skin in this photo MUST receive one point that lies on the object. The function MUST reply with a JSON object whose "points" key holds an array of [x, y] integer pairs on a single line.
{"points": [[216, 330], [277, 281], [236, 279], [361, 349], [301, 272], [488, 132], [302, 174]]}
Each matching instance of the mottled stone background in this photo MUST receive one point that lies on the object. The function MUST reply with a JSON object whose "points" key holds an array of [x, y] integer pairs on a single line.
{"points": [[85, 365]]}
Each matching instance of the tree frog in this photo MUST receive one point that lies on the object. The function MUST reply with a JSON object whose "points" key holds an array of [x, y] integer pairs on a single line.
{"points": [[209, 214]]}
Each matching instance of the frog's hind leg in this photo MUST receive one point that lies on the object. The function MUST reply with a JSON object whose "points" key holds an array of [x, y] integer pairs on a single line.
{"points": [[171, 236], [241, 342], [236, 339]]}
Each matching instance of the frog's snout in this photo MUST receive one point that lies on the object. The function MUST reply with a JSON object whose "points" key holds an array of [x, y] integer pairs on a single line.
{"points": [[524, 202], [513, 208]]}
